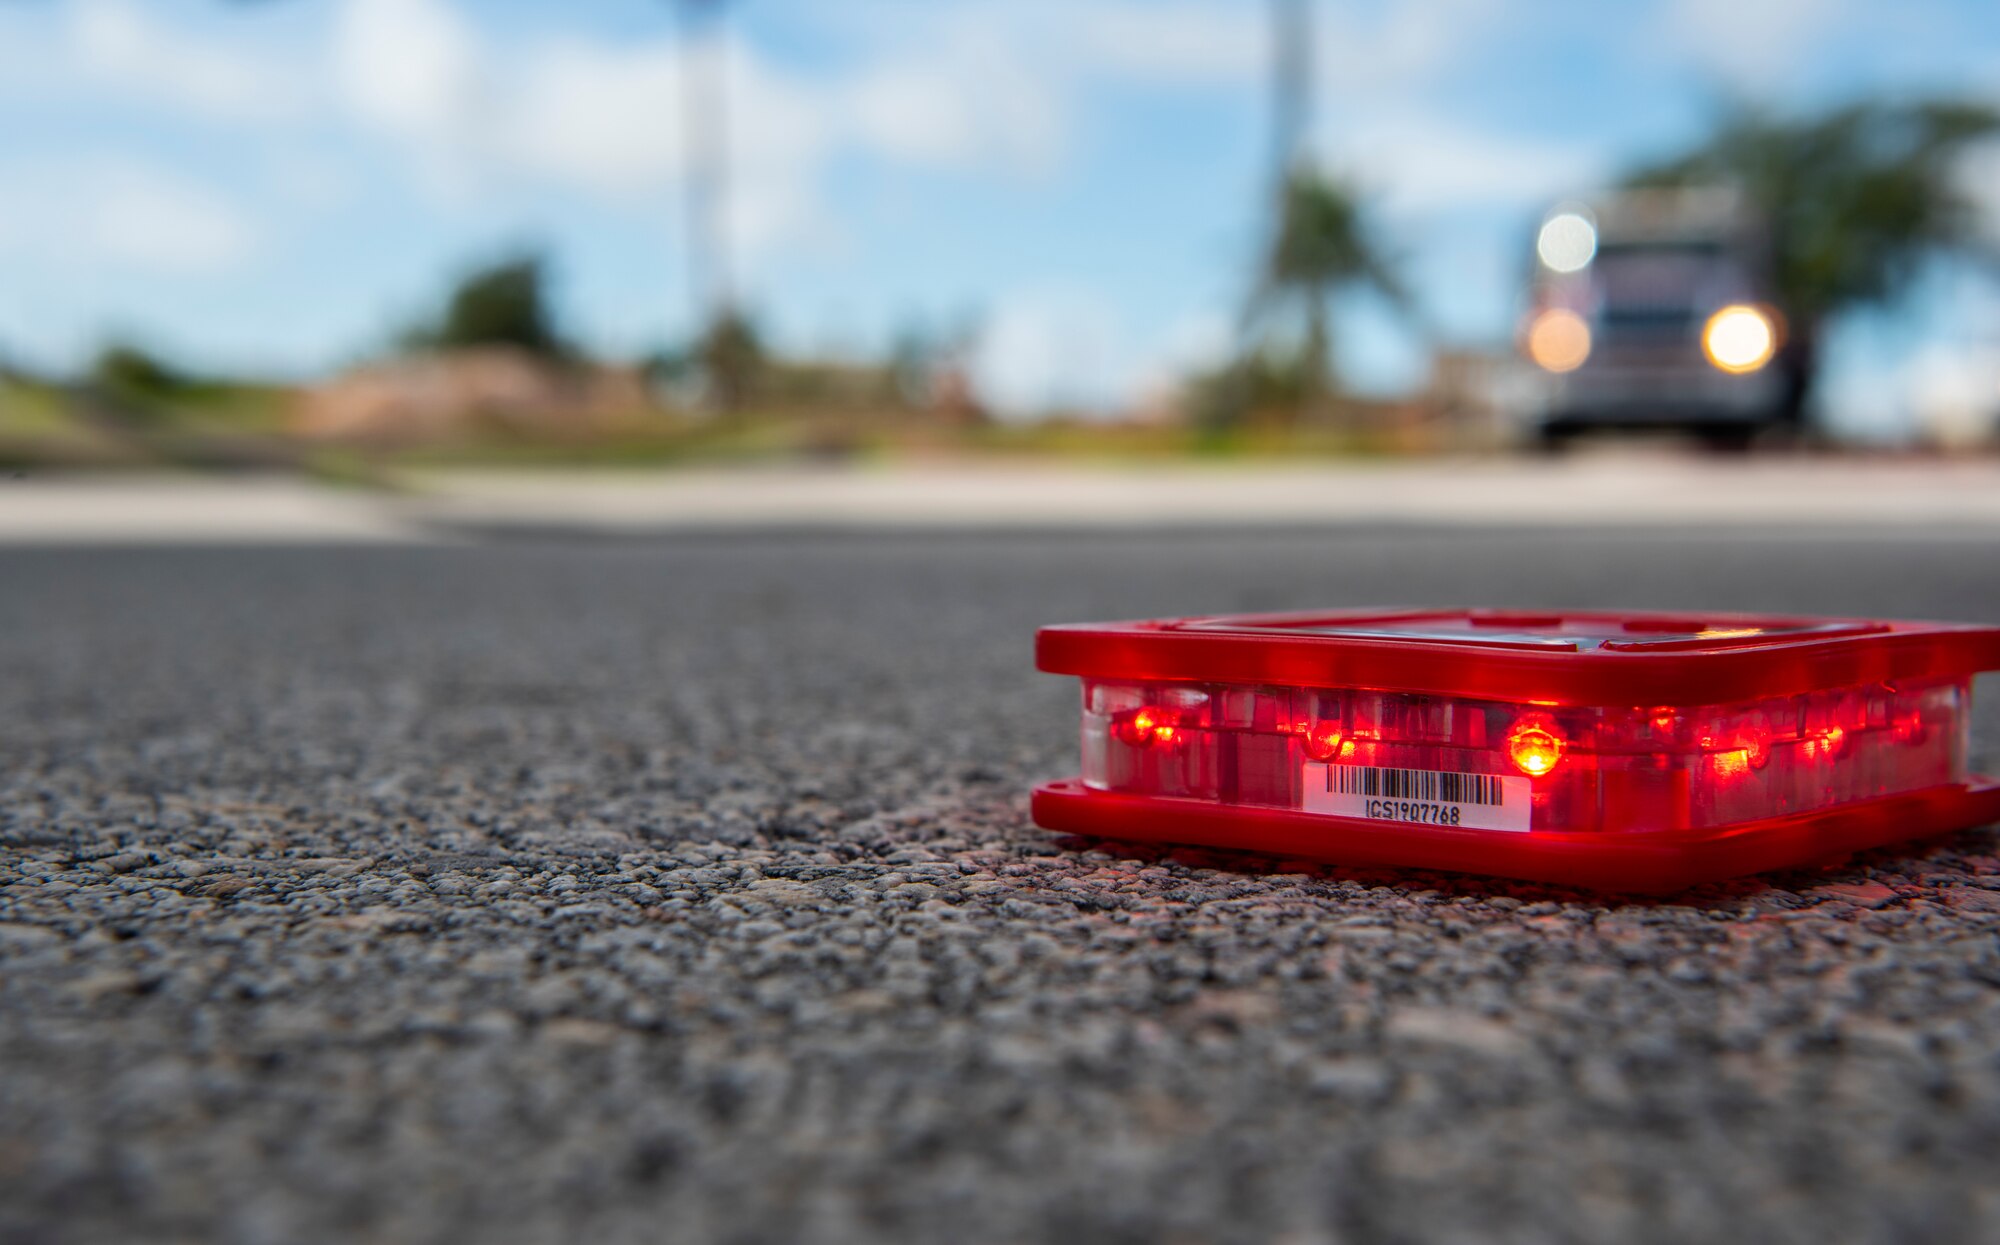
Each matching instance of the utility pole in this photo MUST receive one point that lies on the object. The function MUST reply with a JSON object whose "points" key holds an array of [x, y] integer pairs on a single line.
{"points": [[705, 137], [1291, 90], [1291, 108]]}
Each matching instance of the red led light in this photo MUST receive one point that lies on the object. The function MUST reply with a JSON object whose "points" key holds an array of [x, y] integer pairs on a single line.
{"points": [[1323, 740], [1534, 747], [1145, 726], [1731, 765], [1621, 752], [1755, 745]]}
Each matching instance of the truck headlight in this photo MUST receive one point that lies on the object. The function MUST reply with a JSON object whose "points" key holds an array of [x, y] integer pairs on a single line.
{"points": [[1558, 340], [1739, 339]]}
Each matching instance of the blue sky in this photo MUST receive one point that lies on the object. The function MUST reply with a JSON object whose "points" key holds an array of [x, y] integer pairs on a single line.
{"points": [[281, 186]]}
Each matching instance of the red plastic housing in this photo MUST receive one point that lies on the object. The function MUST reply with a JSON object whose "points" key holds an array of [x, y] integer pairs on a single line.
{"points": [[1614, 751]]}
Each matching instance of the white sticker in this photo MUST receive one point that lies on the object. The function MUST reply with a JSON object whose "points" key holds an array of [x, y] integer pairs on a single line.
{"points": [[1425, 797]]}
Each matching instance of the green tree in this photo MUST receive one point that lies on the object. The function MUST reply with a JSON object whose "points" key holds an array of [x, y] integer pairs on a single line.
{"points": [[502, 304], [732, 359], [133, 373], [1324, 245], [722, 368], [1856, 199]]}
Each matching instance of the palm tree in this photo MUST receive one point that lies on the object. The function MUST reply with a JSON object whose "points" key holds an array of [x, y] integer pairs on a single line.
{"points": [[1325, 244], [1317, 242], [1855, 199]]}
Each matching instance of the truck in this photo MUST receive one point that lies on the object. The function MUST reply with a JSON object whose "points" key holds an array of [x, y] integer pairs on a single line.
{"points": [[1655, 310]]}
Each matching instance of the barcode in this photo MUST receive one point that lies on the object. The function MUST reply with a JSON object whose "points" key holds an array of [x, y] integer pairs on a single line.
{"points": [[1414, 784]]}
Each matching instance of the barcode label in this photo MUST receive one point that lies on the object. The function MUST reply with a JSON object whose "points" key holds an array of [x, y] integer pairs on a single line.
{"points": [[1419, 784], [1419, 796]]}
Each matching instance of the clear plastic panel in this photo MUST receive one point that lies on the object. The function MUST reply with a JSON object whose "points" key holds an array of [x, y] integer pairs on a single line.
{"points": [[1607, 769]]}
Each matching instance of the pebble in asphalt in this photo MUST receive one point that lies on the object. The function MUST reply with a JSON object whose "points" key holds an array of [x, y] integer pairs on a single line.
{"points": [[686, 890]]}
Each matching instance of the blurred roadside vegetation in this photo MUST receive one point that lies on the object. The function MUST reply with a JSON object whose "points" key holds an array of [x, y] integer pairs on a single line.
{"points": [[1859, 198], [133, 409], [491, 380]]}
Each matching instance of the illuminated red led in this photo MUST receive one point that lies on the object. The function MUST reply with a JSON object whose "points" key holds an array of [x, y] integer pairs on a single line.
{"points": [[1599, 749], [1534, 747], [1145, 726], [1323, 740], [1755, 744], [1740, 751]]}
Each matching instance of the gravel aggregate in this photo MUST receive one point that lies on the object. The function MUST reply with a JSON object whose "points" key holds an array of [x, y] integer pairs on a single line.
{"points": [[685, 890]]}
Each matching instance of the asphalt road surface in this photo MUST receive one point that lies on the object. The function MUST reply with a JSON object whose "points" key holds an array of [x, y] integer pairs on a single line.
{"points": [[684, 890]]}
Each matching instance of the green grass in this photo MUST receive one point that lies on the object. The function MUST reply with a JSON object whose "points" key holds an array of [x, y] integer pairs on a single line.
{"points": [[216, 424], [662, 440], [30, 410], [38, 428], [226, 408]]}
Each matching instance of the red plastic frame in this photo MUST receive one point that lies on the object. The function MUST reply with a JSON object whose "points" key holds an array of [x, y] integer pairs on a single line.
{"points": [[1683, 659], [1572, 658]]}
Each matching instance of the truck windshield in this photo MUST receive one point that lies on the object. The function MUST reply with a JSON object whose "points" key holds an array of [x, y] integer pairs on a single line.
{"points": [[1662, 285]]}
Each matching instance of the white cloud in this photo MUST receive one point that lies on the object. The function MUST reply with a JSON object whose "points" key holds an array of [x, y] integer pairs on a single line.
{"points": [[1391, 54], [1052, 348], [409, 65], [128, 214], [411, 70], [965, 109], [1073, 349], [117, 45], [612, 121], [603, 118], [1757, 45], [1184, 42], [1199, 341], [608, 117], [1202, 339], [1378, 70], [1421, 163], [309, 181], [159, 221], [979, 86]]}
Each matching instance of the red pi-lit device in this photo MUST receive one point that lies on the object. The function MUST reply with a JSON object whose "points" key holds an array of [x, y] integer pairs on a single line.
{"points": [[1615, 751]]}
